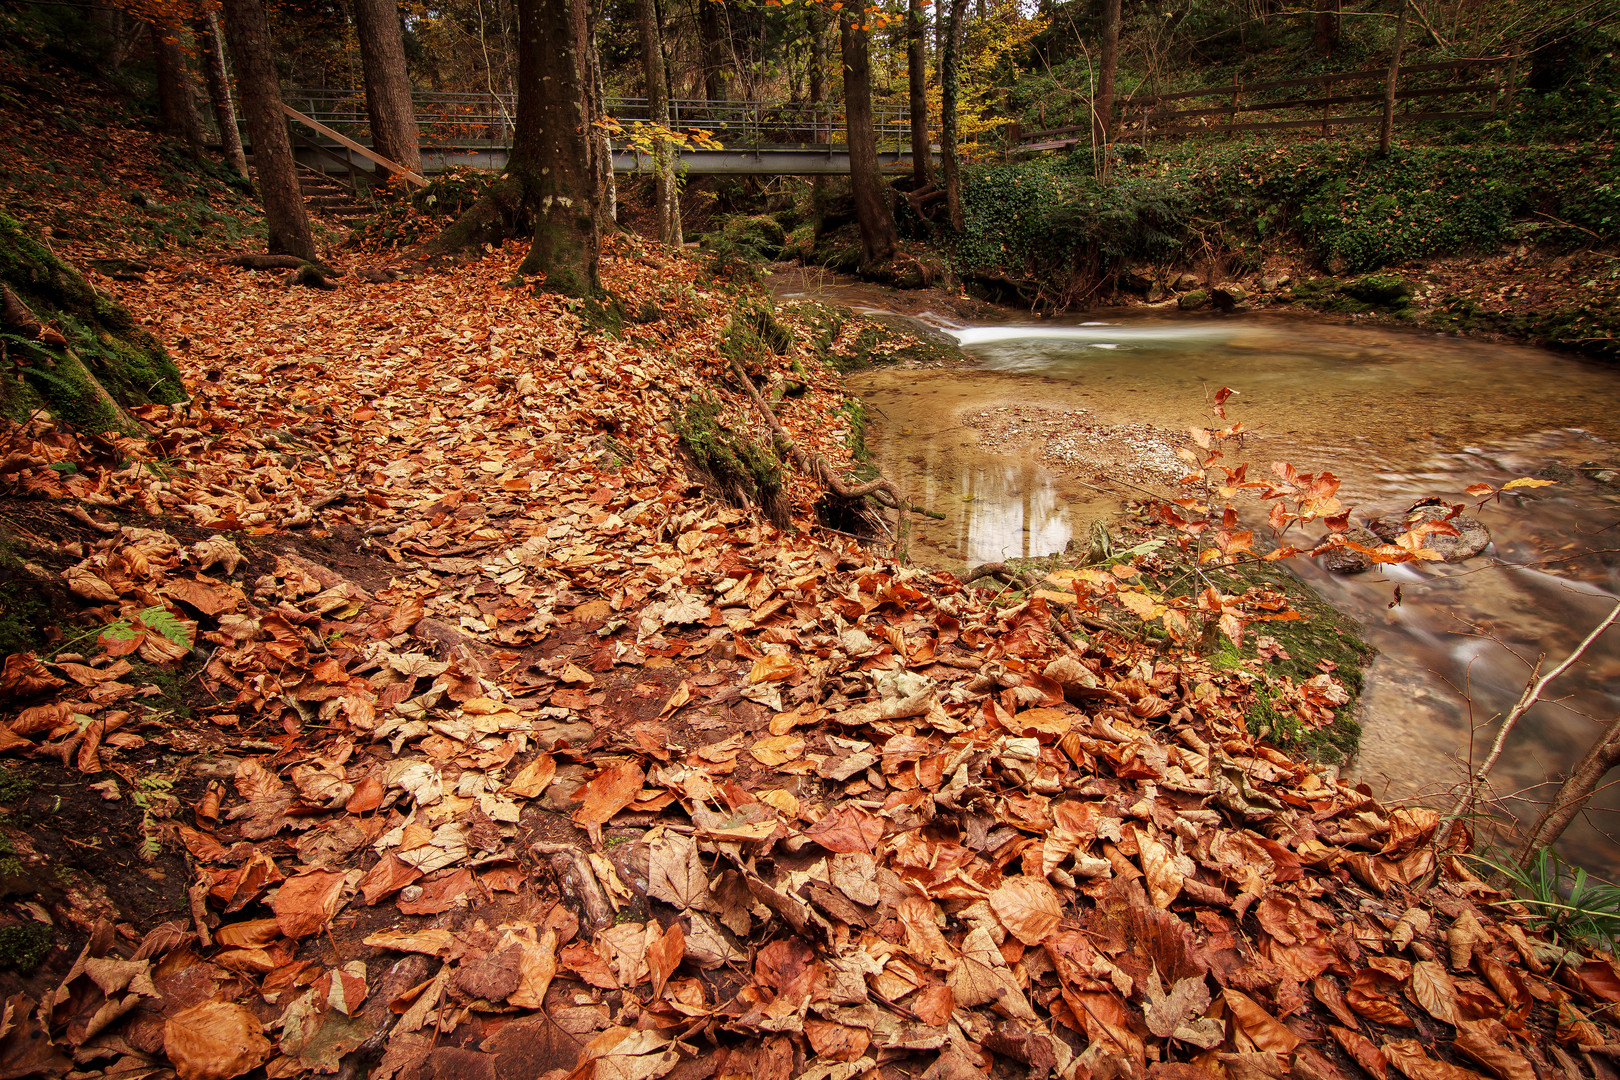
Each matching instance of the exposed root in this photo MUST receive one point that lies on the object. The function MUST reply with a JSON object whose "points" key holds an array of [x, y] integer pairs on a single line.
{"points": [[821, 471]]}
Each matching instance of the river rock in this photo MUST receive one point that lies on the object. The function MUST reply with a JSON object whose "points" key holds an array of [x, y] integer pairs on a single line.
{"points": [[1471, 539], [1185, 282], [1139, 279], [1273, 282], [1228, 297], [1192, 301], [1343, 560], [1601, 473]]}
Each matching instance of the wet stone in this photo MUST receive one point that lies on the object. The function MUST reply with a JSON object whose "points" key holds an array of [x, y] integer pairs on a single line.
{"points": [[1347, 560], [1471, 539]]}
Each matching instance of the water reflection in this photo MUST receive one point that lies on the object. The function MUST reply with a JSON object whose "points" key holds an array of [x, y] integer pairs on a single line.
{"points": [[1399, 416]]}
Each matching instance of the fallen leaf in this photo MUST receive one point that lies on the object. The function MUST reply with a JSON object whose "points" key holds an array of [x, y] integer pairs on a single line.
{"points": [[1028, 907], [305, 904], [215, 1040]]}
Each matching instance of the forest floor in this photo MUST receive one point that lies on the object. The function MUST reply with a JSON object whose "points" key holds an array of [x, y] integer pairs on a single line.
{"points": [[401, 706], [416, 708]]}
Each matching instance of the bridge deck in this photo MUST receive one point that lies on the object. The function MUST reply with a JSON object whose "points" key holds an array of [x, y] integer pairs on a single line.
{"points": [[756, 138]]}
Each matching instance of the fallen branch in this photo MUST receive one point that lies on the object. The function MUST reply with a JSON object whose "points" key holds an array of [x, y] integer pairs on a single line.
{"points": [[1532, 694], [277, 262], [576, 876], [1029, 579]]}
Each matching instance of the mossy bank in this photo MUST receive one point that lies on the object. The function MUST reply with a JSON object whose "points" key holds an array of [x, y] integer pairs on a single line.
{"points": [[68, 349]]}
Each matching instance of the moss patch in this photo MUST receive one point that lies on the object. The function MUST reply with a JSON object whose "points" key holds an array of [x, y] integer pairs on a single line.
{"points": [[1324, 634], [24, 945], [739, 469], [753, 330], [1389, 294], [25, 609]]}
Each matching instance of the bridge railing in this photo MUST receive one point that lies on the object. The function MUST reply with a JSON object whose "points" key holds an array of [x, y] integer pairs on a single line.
{"points": [[485, 121]]}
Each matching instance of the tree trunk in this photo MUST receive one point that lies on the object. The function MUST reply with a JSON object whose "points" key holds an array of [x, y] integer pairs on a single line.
{"points": [[818, 98], [666, 195], [206, 28], [1387, 129], [177, 114], [1573, 794], [553, 39], [1108, 62], [248, 32], [917, 82], [388, 84], [878, 237], [1326, 38], [607, 210], [712, 28], [949, 78]]}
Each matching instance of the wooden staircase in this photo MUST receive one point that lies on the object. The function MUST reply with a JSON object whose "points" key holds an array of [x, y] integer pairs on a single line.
{"points": [[331, 198]]}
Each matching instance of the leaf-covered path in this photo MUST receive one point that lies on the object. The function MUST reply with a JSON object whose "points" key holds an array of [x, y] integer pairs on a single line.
{"points": [[501, 751]]}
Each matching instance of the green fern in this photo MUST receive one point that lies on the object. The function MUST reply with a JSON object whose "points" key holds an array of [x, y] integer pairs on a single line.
{"points": [[161, 620]]}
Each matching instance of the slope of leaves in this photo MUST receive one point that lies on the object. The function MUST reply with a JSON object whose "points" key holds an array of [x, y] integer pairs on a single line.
{"points": [[808, 812]]}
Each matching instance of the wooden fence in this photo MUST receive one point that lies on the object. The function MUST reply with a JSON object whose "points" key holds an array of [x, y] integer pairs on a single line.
{"points": [[1141, 119]]}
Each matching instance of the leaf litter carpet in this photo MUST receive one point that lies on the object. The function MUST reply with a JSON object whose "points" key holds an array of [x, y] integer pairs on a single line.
{"points": [[524, 759]]}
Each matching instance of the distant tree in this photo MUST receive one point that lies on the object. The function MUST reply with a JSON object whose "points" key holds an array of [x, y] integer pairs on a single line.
{"points": [[1386, 129], [388, 84], [950, 63], [177, 111], [666, 193], [712, 31], [878, 238], [917, 85], [248, 32], [1108, 65], [817, 19], [206, 29], [1326, 37]]}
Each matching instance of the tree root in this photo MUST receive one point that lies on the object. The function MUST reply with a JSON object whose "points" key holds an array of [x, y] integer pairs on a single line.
{"points": [[1030, 579], [277, 262], [821, 471]]}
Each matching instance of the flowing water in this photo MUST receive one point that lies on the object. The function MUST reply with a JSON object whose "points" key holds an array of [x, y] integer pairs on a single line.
{"points": [[1025, 446]]}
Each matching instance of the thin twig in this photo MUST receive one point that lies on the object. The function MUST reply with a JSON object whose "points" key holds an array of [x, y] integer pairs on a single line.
{"points": [[1532, 694]]}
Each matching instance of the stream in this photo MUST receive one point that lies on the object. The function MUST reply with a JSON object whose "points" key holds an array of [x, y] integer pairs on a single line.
{"points": [[1053, 423]]}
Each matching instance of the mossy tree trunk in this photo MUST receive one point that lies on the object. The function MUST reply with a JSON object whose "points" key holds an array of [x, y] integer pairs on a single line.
{"points": [[549, 183], [83, 358], [878, 238], [557, 171]]}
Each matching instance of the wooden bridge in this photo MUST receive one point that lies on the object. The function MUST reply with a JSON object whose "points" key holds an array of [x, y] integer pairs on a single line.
{"points": [[756, 138]]}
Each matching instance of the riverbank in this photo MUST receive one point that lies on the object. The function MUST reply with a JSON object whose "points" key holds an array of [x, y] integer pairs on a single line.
{"points": [[1393, 411]]}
